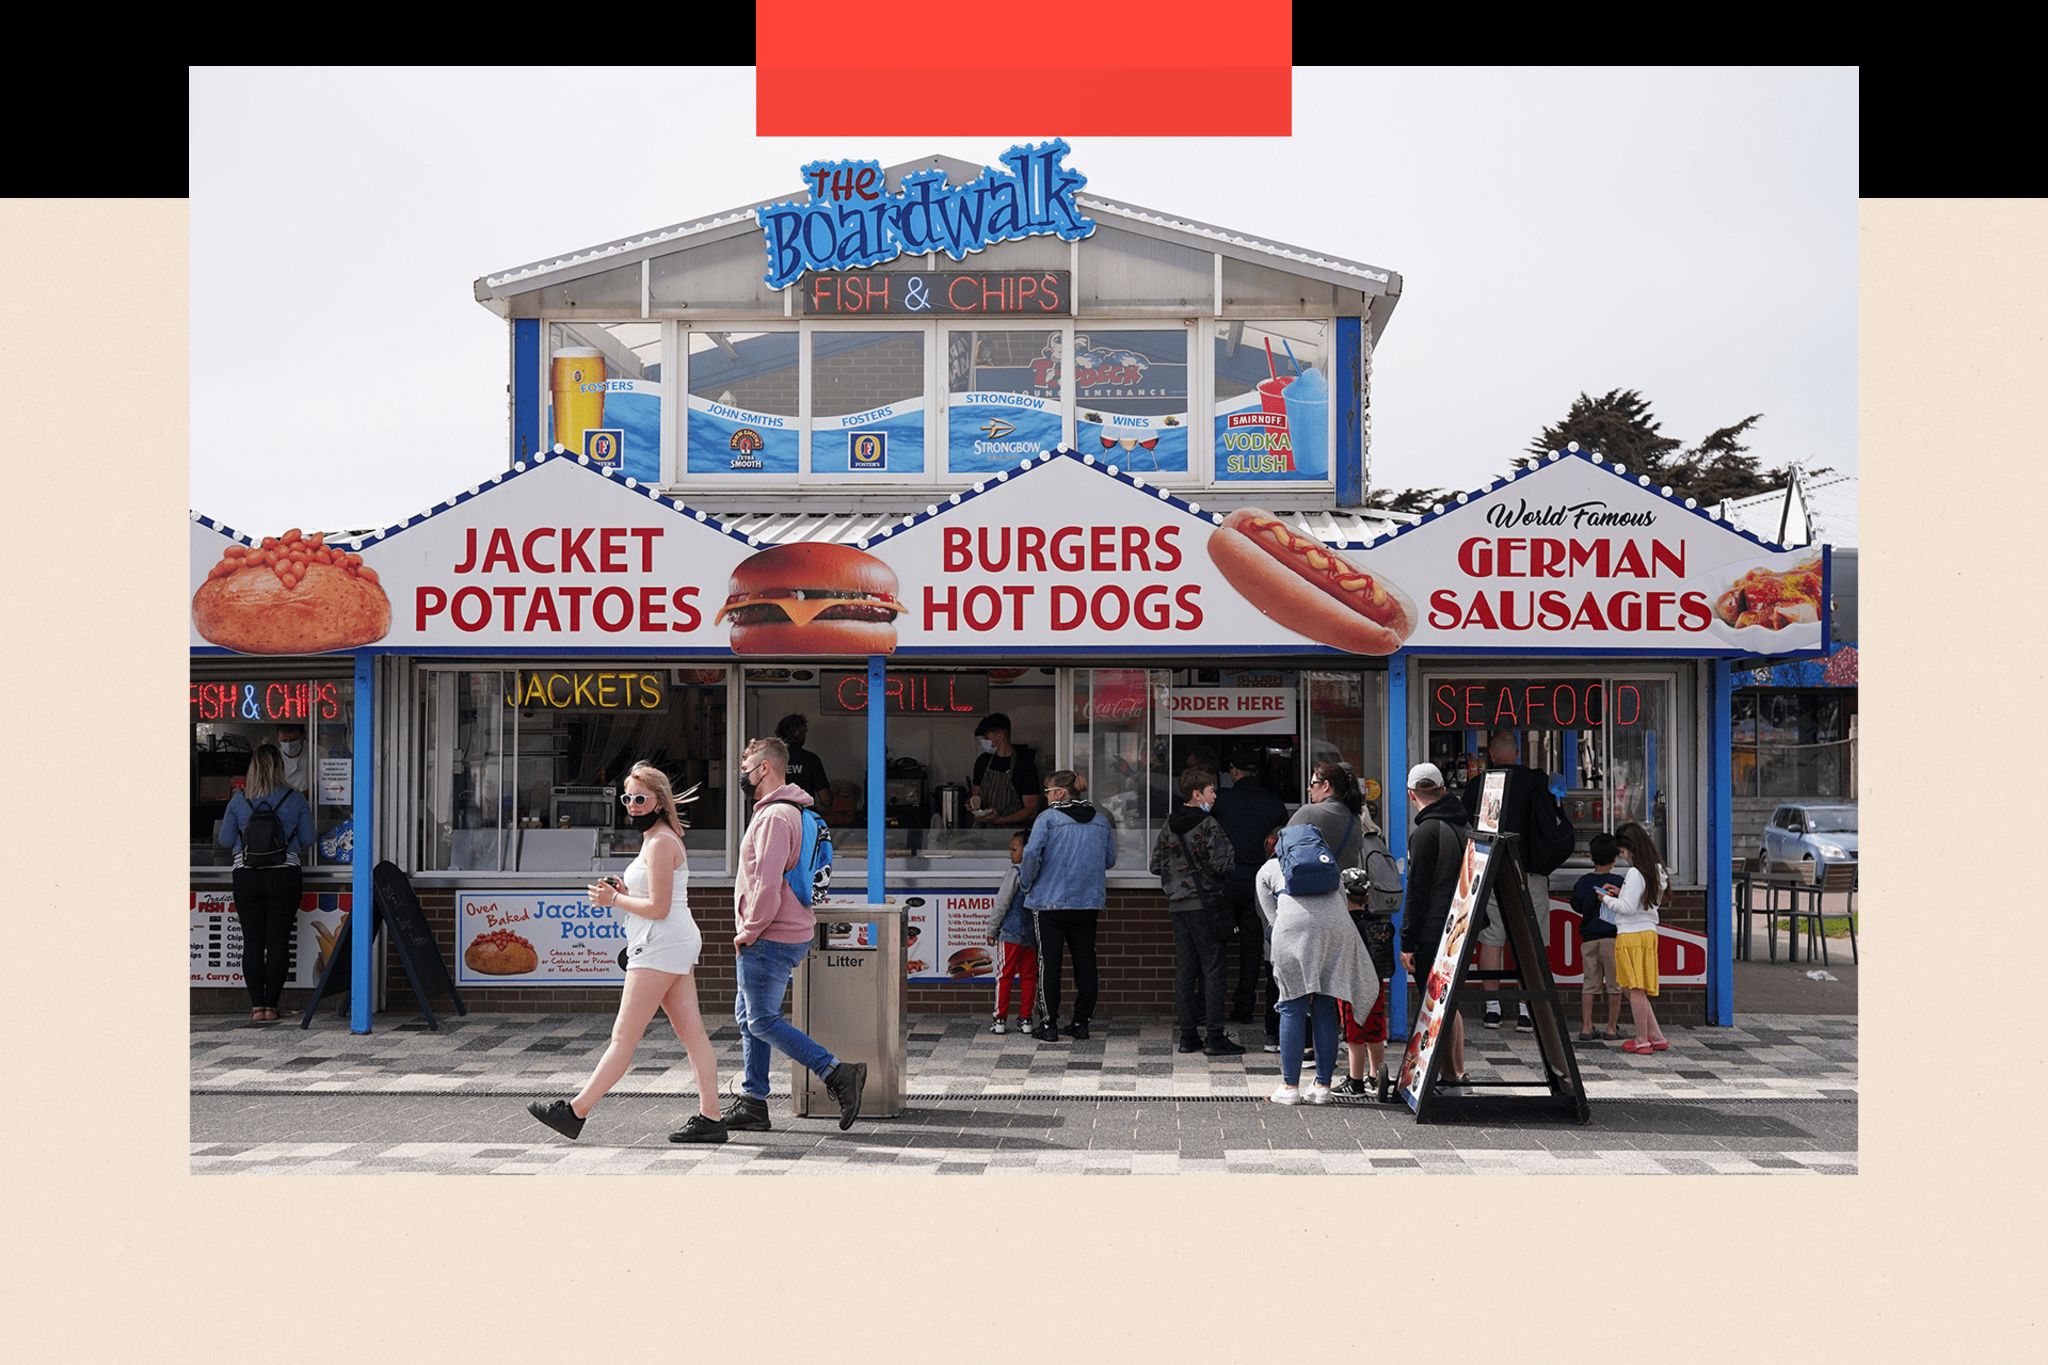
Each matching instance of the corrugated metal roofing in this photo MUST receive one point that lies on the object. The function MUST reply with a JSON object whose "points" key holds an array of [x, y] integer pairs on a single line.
{"points": [[1339, 528]]}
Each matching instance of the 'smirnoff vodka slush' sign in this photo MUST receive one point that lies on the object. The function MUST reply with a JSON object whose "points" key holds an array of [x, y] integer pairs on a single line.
{"points": [[851, 220]]}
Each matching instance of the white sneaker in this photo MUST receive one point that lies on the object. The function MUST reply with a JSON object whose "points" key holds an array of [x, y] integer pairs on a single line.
{"points": [[1315, 1094], [1024, 1024], [999, 1027], [1286, 1094]]}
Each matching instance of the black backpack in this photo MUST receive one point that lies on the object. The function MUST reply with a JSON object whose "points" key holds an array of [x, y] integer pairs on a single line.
{"points": [[263, 838], [1551, 837]]}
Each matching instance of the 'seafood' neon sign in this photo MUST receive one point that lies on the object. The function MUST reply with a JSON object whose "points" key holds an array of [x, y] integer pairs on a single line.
{"points": [[1498, 703]]}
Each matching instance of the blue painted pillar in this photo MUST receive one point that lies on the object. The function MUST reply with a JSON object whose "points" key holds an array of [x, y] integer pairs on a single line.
{"points": [[1397, 826], [526, 389], [1571, 759], [878, 789], [1720, 846], [1349, 376], [362, 903]]}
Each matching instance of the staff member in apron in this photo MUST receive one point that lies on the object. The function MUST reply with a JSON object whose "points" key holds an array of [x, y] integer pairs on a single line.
{"points": [[1004, 789]]}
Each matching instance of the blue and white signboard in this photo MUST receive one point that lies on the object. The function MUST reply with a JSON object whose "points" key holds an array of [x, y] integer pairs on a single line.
{"points": [[851, 220], [991, 430], [884, 440], [730, 440]]}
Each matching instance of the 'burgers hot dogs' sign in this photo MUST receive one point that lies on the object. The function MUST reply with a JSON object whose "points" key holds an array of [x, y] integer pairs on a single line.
{"points": [[1056, 556]]}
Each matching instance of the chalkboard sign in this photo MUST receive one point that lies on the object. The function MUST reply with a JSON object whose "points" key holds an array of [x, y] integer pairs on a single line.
{"points": [[396, 908], [417, 950], [1491, 870]]}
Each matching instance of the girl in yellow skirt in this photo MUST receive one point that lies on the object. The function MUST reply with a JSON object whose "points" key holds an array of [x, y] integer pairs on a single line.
{"points": [[1633, 909]]}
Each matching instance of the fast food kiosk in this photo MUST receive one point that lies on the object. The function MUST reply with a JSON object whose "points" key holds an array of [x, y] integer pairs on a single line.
{"points": [[1100, 472]]}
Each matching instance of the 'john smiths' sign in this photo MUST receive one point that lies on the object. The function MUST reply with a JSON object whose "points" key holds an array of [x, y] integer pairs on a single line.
{"points": [[852, 221]]}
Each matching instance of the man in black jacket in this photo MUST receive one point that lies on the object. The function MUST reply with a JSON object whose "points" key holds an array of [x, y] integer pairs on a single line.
{"points": [[1436, 847], [1247, 812], [1526, 786]]}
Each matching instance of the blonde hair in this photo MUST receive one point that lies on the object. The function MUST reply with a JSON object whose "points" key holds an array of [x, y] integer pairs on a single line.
{"points": [[266, 771], [770, 748], [656, 781]]}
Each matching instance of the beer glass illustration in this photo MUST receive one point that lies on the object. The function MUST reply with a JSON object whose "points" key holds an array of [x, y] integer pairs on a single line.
{"points": [[576, 386]]}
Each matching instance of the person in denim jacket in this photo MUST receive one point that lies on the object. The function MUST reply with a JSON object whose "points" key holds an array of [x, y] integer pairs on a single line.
{"points": [[1065, 887]]}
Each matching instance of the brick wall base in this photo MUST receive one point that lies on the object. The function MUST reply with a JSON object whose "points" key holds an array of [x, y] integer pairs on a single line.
{"points": [[1134, 950]]}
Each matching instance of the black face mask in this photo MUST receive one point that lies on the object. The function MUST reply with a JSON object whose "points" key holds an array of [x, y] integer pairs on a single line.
{"points": [[643, 823]]}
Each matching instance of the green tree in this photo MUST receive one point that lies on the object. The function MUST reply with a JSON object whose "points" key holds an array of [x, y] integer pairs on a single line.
{"points": [[1618, 425], [1407, 500]]}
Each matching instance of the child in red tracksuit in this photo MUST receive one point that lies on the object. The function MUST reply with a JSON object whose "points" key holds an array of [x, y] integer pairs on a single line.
{"points": [[1011, 924]]}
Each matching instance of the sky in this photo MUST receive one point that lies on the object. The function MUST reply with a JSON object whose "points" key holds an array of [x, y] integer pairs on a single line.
{"points": [[1687, 233]]}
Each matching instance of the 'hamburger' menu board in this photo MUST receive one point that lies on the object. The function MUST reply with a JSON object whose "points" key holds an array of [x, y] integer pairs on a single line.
{"points": [[948, 933]]}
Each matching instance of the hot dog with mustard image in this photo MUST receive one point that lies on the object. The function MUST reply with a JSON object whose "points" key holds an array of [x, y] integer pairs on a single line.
{"points": [[1308, 587]]}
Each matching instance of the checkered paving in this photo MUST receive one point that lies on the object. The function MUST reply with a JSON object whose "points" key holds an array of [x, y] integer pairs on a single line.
{"points": [[1766, 1057]]}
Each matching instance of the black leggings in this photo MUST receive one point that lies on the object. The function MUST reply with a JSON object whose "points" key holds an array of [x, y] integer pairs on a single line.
{"points": [[1075, 931], [267, 904]]}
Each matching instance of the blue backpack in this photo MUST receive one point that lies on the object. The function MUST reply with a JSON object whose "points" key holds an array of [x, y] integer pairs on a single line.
{"points": [[1306, 864], [811, 878]]}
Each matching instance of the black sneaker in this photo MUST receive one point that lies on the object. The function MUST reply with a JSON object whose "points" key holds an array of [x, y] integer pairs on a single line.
{"points": [[747, 1115], [1190, 1042], [1048, 1032], [1491, 1019], [1078, 1030], [1351, 1086], [700, 1129], [1524, 1021], [845, 1085], [1223, 1045], [557, 1115]]}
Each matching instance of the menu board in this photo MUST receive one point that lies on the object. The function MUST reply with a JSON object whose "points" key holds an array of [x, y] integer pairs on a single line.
{"points": [[1445, 974], [216, 937], [948, 933], [536, 938]]}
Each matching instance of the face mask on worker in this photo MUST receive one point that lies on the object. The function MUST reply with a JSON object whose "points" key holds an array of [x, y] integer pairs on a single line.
{"points": [[988, 746], [292, 748]]}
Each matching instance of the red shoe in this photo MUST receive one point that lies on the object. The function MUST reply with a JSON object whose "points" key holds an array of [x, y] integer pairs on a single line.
{"points": [[1639, 1049], [1660, 1045]]}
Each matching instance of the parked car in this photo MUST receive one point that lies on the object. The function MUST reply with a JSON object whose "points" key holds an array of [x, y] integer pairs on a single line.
{"points": [[1809, 839]]}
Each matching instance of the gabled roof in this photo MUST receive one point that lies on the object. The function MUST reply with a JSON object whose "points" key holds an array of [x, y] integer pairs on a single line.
{"points": [[1806, 511], [610, 255]]}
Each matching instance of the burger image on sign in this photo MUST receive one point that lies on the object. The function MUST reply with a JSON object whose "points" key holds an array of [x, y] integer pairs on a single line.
{"points": [[812, 598]]}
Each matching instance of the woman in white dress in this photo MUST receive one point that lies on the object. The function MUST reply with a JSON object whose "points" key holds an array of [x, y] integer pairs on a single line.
{"points": [[662, 948]]}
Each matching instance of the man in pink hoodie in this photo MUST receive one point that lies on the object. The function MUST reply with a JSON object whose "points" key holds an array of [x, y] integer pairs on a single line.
{"points": [[774, 931]]}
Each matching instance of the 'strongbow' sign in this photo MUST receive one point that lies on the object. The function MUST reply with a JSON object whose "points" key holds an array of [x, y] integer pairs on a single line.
{"points": [[851, 220]]}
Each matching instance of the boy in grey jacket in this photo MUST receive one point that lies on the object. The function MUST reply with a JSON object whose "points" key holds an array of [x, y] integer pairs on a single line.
{"points": [[1191, 860]]}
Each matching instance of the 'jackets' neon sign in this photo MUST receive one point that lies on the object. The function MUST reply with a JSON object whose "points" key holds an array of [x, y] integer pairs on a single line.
{"points": [[851, 220]]}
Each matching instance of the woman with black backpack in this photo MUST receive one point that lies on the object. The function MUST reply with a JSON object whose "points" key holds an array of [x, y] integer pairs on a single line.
{"points": [[269, 826]]}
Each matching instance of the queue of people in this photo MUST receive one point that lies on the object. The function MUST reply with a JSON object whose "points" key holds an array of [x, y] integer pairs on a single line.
{"points": [[1230, 859]]}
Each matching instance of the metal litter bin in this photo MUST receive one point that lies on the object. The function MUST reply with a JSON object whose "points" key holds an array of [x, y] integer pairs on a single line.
{"points": [[850, 993]]}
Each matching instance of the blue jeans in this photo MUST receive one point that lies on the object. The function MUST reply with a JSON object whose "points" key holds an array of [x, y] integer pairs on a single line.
{"points": [[764, 971], [1294, 1018]]}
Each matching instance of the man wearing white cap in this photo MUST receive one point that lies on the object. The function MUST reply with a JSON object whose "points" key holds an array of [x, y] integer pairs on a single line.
{"points": [[1436, 847]]}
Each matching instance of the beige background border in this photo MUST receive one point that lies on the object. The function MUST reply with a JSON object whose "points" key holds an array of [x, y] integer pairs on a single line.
{"points": [[114, 1246]]}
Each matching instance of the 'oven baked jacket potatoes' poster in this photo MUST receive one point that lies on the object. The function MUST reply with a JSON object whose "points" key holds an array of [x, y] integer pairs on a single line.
{"points": [[1060, 556]]}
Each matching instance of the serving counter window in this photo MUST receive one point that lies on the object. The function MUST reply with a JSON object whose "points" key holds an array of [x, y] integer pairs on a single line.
{"points": [[930, 760], [1137, 730], [520, 768], [1610, 743], [310, 719]]}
